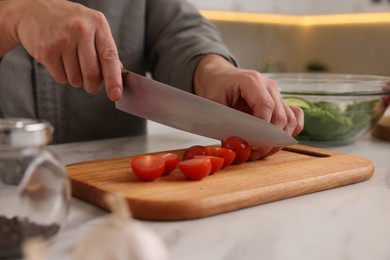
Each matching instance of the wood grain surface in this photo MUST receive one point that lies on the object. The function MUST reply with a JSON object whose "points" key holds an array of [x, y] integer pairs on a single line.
{"points": [[294, 171]]}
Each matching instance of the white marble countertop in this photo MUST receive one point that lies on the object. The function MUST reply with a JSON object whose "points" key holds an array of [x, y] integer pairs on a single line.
{"points": [[351, 222]]}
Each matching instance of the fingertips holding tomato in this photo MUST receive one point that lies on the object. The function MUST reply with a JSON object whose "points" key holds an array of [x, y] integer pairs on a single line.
{"points": [[263, 152], [240, 147], [148, 167]]}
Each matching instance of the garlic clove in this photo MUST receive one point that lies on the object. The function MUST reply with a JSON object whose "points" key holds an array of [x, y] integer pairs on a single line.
{"points": [[34, 248], [120, 237]]}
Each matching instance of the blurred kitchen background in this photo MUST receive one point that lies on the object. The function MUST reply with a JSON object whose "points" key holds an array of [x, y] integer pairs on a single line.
{"points": [[349, 36]]}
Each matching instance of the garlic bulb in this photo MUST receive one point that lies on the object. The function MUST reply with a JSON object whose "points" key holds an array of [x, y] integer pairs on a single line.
{"points": [[120, 237], [34, 248]]}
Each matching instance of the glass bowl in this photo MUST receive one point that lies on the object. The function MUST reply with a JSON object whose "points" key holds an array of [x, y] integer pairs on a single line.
{"points": [[338, 108]]}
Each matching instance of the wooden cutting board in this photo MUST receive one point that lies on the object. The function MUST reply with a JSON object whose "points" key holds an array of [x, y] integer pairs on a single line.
{"points": [[294, 171]]}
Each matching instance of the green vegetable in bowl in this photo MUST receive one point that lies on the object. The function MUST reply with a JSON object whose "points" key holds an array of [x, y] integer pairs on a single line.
{"points": [[324, 125], [328, 106], [327, 121], [297, 101]]}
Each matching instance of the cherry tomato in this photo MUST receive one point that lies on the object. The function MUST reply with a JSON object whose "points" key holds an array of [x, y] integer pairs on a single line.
{"points": [[148, 167], [195, 168], [193, 150], [225, 153], [240, 147], [216, 162], [171, 160]]}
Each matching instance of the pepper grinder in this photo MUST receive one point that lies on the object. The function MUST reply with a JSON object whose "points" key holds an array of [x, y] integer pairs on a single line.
{"points": [[35, 190]]}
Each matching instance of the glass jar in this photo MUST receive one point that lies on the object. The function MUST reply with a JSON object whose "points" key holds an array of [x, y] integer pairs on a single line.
{"points": [[34, 187]]}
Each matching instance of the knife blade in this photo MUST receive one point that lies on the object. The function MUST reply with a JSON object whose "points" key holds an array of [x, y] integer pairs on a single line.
{"points": [[164, 104]]}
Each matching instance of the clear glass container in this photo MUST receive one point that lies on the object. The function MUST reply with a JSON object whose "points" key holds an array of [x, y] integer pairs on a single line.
{"points": [[35, 189], [338, 108]]}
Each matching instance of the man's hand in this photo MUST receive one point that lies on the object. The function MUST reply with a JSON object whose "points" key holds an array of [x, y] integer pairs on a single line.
{"points": [[72, 41], [248, 91]]}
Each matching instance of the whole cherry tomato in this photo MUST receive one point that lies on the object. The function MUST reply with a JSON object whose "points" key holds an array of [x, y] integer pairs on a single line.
{"points": [[148, 167], [171, 160], [240, 147], [195, 168], [225, 153], [216, 162], [193, 150]]}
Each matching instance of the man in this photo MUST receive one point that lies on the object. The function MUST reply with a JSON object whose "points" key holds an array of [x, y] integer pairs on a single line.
{"points": [[46, 45]]}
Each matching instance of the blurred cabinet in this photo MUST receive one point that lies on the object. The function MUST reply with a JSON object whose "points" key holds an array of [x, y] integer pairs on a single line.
{"points": [[297, 7]]}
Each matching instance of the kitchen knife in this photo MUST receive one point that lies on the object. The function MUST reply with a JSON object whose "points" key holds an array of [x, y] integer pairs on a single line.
{"points": [[176, 108]]}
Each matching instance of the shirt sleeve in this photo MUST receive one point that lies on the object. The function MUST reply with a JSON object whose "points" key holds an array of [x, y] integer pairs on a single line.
{"points": [[177, 37]]}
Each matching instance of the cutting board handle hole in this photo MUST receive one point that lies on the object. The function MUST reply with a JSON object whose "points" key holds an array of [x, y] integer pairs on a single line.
{"points": [[306, 152]]}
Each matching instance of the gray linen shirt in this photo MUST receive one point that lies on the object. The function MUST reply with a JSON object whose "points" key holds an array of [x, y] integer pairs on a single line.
{"points": [[163, 37]]}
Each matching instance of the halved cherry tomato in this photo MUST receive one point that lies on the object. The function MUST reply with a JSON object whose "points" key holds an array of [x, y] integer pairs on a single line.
{"points": [[193, 150], [240, 147], [225, 153], [171, 160], [216, 162], [195, 168], [148, 167]]}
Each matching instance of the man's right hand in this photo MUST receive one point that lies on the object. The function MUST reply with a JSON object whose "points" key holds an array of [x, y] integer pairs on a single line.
{"points": [[72, 41]]}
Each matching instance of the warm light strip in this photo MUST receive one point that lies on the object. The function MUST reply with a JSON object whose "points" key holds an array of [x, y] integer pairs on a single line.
{"points": [[300, 20]]}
